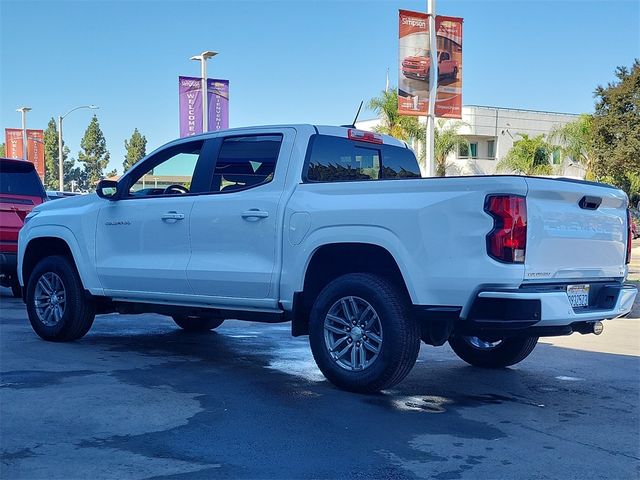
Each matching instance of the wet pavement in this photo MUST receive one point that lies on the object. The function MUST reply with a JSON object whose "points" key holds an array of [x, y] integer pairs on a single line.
{"points": [[138, 398]]}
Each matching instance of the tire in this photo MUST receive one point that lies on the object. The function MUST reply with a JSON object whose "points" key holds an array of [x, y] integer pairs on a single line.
{"points": [[506, 352], [397, 330], [16, 290], [197, 324], [77, 313]]}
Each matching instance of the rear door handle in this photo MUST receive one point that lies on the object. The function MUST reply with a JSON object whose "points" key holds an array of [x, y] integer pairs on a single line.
{"points": [[172, 216], [254, 213]]}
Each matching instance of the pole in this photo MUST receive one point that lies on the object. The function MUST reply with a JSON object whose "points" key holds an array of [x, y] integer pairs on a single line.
{"points": [[60, 157], [24, 133], [433, 87], [205, 112]]}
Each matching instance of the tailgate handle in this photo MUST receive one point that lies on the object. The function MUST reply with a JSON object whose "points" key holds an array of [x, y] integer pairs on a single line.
{"points": [[589, 202]]}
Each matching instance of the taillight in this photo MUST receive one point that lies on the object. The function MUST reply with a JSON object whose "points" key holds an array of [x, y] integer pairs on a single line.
{"points": [[629, 235], [507, 242], [362, 136]]}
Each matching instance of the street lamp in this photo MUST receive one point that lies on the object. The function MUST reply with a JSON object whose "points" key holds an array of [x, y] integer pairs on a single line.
{"points": [[60, 156], [24, 111], [202, 58]]}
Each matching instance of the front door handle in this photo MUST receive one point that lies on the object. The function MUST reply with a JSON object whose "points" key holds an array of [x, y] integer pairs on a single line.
{"points": [[172, 217], [255, 214]]}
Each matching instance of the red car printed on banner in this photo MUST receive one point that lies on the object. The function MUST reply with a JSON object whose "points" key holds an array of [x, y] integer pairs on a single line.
{"points": [[417, 67]]}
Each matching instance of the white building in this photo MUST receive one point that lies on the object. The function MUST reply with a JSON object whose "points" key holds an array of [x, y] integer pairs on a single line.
{"points": [[491, 132]]}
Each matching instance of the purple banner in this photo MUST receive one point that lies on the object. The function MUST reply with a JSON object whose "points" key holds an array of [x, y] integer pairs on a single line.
{"points": [[190, 93]]}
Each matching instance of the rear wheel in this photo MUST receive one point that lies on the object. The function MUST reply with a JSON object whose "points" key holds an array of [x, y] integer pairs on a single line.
{"points": [[362, 335], [492, 353], [56, 304], [197, 324]]}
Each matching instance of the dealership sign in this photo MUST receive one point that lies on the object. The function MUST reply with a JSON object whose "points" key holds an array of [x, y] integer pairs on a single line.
{"points": [[35, 147], [415, 60], [190, 99]]}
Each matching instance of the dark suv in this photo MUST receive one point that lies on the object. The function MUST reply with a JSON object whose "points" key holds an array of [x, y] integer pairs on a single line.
{"points": [[20, 191]]}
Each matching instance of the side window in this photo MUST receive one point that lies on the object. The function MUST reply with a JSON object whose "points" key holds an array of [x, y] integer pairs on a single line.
{"points": [[335, 159], [399, 163], [245, 162], [169, 172]]}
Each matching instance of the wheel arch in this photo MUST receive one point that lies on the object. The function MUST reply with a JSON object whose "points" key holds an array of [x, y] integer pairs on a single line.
{"points": [[322, 267], [48, 242]]}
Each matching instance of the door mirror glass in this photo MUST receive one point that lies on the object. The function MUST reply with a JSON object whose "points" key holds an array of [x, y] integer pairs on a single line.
{"points": [[107, 189]]}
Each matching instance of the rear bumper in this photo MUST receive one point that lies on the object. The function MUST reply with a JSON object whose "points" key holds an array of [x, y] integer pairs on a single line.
{"points": [[545, 309]]}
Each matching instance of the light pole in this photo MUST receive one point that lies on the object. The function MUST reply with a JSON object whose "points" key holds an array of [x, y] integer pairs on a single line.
{"points": [[24, 111], [202, 58], [433, 88], [60, 156]]}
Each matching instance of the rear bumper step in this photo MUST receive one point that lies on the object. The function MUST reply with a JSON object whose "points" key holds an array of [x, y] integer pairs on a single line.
{"points": [[545, 312]]}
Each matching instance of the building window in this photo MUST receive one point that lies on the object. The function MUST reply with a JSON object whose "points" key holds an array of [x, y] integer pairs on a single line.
{"points": [[491, 149], [467, 150], [555, 157]]}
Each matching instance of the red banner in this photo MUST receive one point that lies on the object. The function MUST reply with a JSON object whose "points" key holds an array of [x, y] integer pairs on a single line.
{"points": [[413, 74], [13, 143], [35, 150], [35, 147], [415, 60], [449, 39]]}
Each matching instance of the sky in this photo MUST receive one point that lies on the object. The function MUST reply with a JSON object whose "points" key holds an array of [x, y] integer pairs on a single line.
{"points": [[289, 61]]}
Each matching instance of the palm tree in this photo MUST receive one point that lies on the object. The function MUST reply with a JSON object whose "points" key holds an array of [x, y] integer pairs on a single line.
{"points": [[575, 140], [528, 156], [403, 127], [446, 140]]}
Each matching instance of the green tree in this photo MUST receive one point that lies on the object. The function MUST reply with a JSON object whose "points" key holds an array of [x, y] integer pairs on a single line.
{"points": [[403, 127], [136, 149], [51, 157], [446, 140], [75, 178], [575, 140], [2, 150], [528, 156], [94, 154], [616, 130]]}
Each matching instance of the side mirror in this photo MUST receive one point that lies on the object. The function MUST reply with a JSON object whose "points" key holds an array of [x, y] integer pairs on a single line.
{"points": [[107, 189]]}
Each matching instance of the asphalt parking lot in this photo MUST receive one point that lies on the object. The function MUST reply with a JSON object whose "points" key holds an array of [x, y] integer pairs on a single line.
{"points": [[138, 398]]}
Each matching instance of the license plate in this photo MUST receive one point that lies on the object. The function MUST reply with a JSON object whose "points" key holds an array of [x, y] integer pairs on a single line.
{"points": [[578, 295]]}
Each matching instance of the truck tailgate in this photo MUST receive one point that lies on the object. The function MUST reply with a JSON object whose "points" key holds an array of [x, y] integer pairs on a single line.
{"points": [[575, 231]]}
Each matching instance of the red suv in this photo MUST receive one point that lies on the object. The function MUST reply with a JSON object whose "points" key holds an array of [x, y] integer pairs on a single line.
{"points": [[20, 191]]}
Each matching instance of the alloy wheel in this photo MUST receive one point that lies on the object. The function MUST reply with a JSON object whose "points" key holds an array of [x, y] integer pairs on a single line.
{"points": [[49, 299], [353, 333]]}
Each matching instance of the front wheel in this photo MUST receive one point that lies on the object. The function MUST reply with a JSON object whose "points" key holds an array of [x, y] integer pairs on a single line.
{"points": [[56, 304], [492, 353], [197, 324], [362, 335]]}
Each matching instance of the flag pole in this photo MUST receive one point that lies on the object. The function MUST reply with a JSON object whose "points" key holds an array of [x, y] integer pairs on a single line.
{"points": [[433, 87]]}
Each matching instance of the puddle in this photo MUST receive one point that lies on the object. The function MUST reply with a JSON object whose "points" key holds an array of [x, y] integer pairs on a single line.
{"points": [[569, 379]]}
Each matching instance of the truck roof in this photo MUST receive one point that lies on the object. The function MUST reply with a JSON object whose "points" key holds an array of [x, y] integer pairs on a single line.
{"points": [[333, 130]]}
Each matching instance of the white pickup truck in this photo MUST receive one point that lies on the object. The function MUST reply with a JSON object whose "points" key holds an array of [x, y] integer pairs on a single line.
{"points": [[333, 229]]}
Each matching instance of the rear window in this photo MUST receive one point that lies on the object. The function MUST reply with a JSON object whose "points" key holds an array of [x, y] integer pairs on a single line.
{"points": [[20, 179], [336, 159]]}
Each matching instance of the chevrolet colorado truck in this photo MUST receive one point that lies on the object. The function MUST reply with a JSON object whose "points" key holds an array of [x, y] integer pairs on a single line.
{"points": [[417, 67], [332, 229]]}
